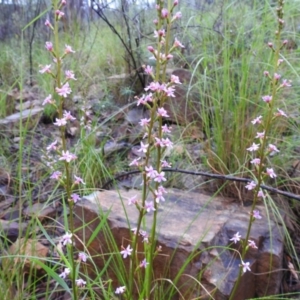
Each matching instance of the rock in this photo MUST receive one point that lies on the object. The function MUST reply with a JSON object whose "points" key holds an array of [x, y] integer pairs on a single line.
{"points": [[190, 225], [30, 117], [40, 211], [11, 230]]}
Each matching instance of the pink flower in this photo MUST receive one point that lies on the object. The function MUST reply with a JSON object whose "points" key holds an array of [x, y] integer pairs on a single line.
{"points": [[65, 273], [246, 266], [150, 49], [75, 197], [177, 16], [267, 98], [165, 164], [48, 24], [254, 147], [164, 13], [255, 161], [280, 113], [153, 86], [261, 194], [158, 142], [82, 256], [250, 186], [159, 196], [67, 116], [45, 69], [49, 46], [167, 143], [78, 180], [144, 122], [149, 206], [59, 13], [70, 75], [160, 177], [256, 214], [166, 129], [56, 175], [161, 112], [132, 200], [144, 147], [177, 43], [175, 79], [286, 83], [148, 70], [260, 135], [135, 162], [80, 282], [280, 61], [67, 156], [257, 120], [64, 90], [126, 252], [150, 172], [277, 76], [144, 263], [273, 148], [271, 172], [60, 122], [68, 49], [67, 238], [175, 2], [170, 91], [48, 100], [236, 237], [266, 73], [52, 146], [120, 290], [252, 244]]}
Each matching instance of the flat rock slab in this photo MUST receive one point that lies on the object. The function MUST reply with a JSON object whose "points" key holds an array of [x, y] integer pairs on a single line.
{"points": [[190, 225]]}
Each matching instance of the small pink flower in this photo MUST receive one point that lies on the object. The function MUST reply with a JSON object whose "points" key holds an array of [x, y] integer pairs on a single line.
{"points": [[255, 161], [271, 172], [260, 135], [256, 214], [132, 200], [148, 70], [160, 177], [155, 22], [64, 91], [49, 46], [177, 43], [257, 120], [60, 122], [161, 112], [135, 162], [280, 113], [170, 91], [78, 180], [246, 266], [150, 172], [270, 45], [254, 147], [145, 122], [80, 282], [126, 252], [75, 198], [70, 75], [164, 13], [159, 196], [59, 13], [149, 206], [250, 186], [56, 175], [286, 83], [67, 156], [177, 16], [120, 290], [144, 263], [45, 69], [65, 273], [48, 24], [267, 98], [252, 244], [167, 143], [273, 148], [82, 256], [63, 2], [144, 147], [175, 2], [165, 164], [68, 49], [277, 76], [67, 116], [150, 49], [48, 100], [52, 146], [166, 129], [67, 238], [266, 73], [280, 61], [236, 238], [175, 79], [261, 194]]}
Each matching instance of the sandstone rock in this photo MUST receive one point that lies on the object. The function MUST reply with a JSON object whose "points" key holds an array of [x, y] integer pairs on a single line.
{"points": [[189, 225]]}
